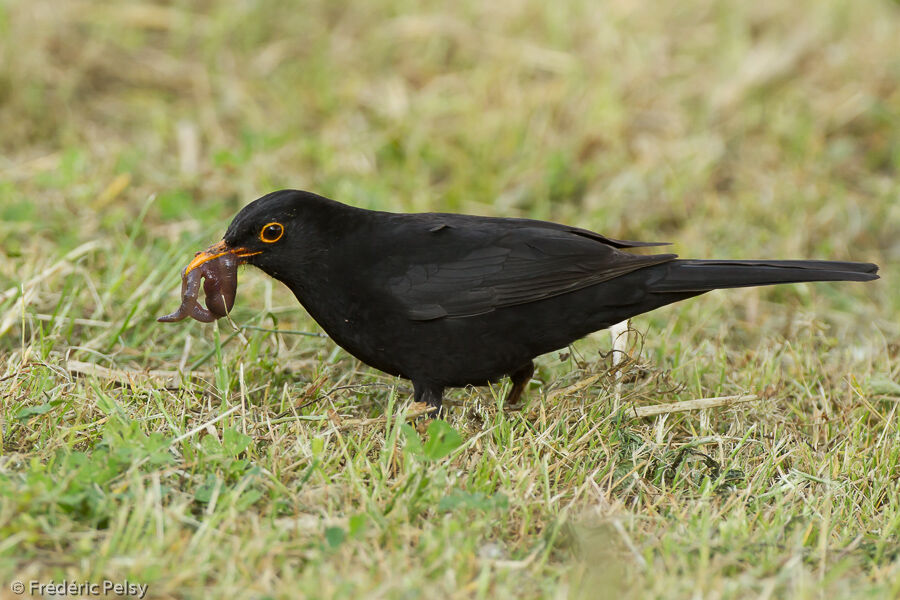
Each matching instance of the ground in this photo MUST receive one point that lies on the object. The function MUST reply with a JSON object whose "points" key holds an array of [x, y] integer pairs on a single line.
{"points": [[263, 461]]}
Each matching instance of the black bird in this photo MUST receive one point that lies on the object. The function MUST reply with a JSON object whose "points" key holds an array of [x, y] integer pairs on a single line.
{"points": [[449, 300]]}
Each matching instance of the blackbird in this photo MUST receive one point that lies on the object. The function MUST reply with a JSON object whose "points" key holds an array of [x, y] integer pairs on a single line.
{"points": [[449, 300]]}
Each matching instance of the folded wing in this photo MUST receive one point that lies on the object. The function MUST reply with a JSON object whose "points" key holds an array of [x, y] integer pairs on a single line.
{"points": [[515, 266]]}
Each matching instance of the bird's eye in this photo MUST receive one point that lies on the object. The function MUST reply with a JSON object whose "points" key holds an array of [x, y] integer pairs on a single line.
{"points": [[271, 232]]}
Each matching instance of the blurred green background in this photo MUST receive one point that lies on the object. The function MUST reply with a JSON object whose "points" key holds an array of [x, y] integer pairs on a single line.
{"points": [[731, 129]]}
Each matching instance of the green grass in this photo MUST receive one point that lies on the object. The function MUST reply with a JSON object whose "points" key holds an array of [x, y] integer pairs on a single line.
{"points": [[744, 130]]}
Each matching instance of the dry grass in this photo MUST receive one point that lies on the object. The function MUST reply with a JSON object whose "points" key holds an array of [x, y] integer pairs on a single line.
{"points": [[282, 467]]}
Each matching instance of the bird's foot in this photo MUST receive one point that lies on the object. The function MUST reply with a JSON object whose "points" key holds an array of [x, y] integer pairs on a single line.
{"points": [[431, 396], [520, 378]]}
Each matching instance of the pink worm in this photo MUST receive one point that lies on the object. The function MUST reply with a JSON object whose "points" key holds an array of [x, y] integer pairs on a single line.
{"points": [[219, 285]]}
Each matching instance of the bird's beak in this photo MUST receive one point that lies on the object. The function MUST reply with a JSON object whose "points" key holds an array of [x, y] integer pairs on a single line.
{"points": [[217, 267], [217, 251]]}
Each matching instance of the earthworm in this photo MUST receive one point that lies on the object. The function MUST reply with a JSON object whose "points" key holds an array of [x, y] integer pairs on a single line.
{"points": [[219, 285]]}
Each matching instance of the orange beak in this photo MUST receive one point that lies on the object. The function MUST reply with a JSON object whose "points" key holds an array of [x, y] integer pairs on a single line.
{"points": [[217, 268], [214, 252]]}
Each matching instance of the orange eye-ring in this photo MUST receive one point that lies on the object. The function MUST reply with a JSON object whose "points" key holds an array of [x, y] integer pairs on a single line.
{"points": [[271, 232]]}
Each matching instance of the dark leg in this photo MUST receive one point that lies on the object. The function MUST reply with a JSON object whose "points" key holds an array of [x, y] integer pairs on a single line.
{"points": [[429, 393], [520, 378]]}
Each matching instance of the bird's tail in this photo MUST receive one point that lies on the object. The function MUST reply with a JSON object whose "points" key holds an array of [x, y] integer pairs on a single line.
{"points": [[698, 276]]}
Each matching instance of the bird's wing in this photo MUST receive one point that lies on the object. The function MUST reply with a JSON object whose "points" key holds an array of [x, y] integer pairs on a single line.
{"points": [[516, 266]]}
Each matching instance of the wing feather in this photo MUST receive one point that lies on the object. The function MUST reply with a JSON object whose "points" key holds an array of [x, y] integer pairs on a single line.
{"points": [[516, 266]]}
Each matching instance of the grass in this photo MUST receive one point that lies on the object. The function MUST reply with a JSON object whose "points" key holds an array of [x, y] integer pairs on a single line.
{"points": [[132, 132]]}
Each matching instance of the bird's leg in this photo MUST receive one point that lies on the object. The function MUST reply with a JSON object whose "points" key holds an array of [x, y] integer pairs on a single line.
{"points": [[520, 378], [429, 393]]}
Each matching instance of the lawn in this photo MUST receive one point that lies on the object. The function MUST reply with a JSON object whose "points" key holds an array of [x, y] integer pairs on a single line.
{"points": [[253, 458]]}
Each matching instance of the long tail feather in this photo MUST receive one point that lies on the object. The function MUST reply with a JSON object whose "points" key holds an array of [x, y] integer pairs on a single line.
{"points": [[705, 275]]}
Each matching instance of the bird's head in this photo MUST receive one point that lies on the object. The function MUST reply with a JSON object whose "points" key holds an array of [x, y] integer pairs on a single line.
{"points": [[271, 233]]}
